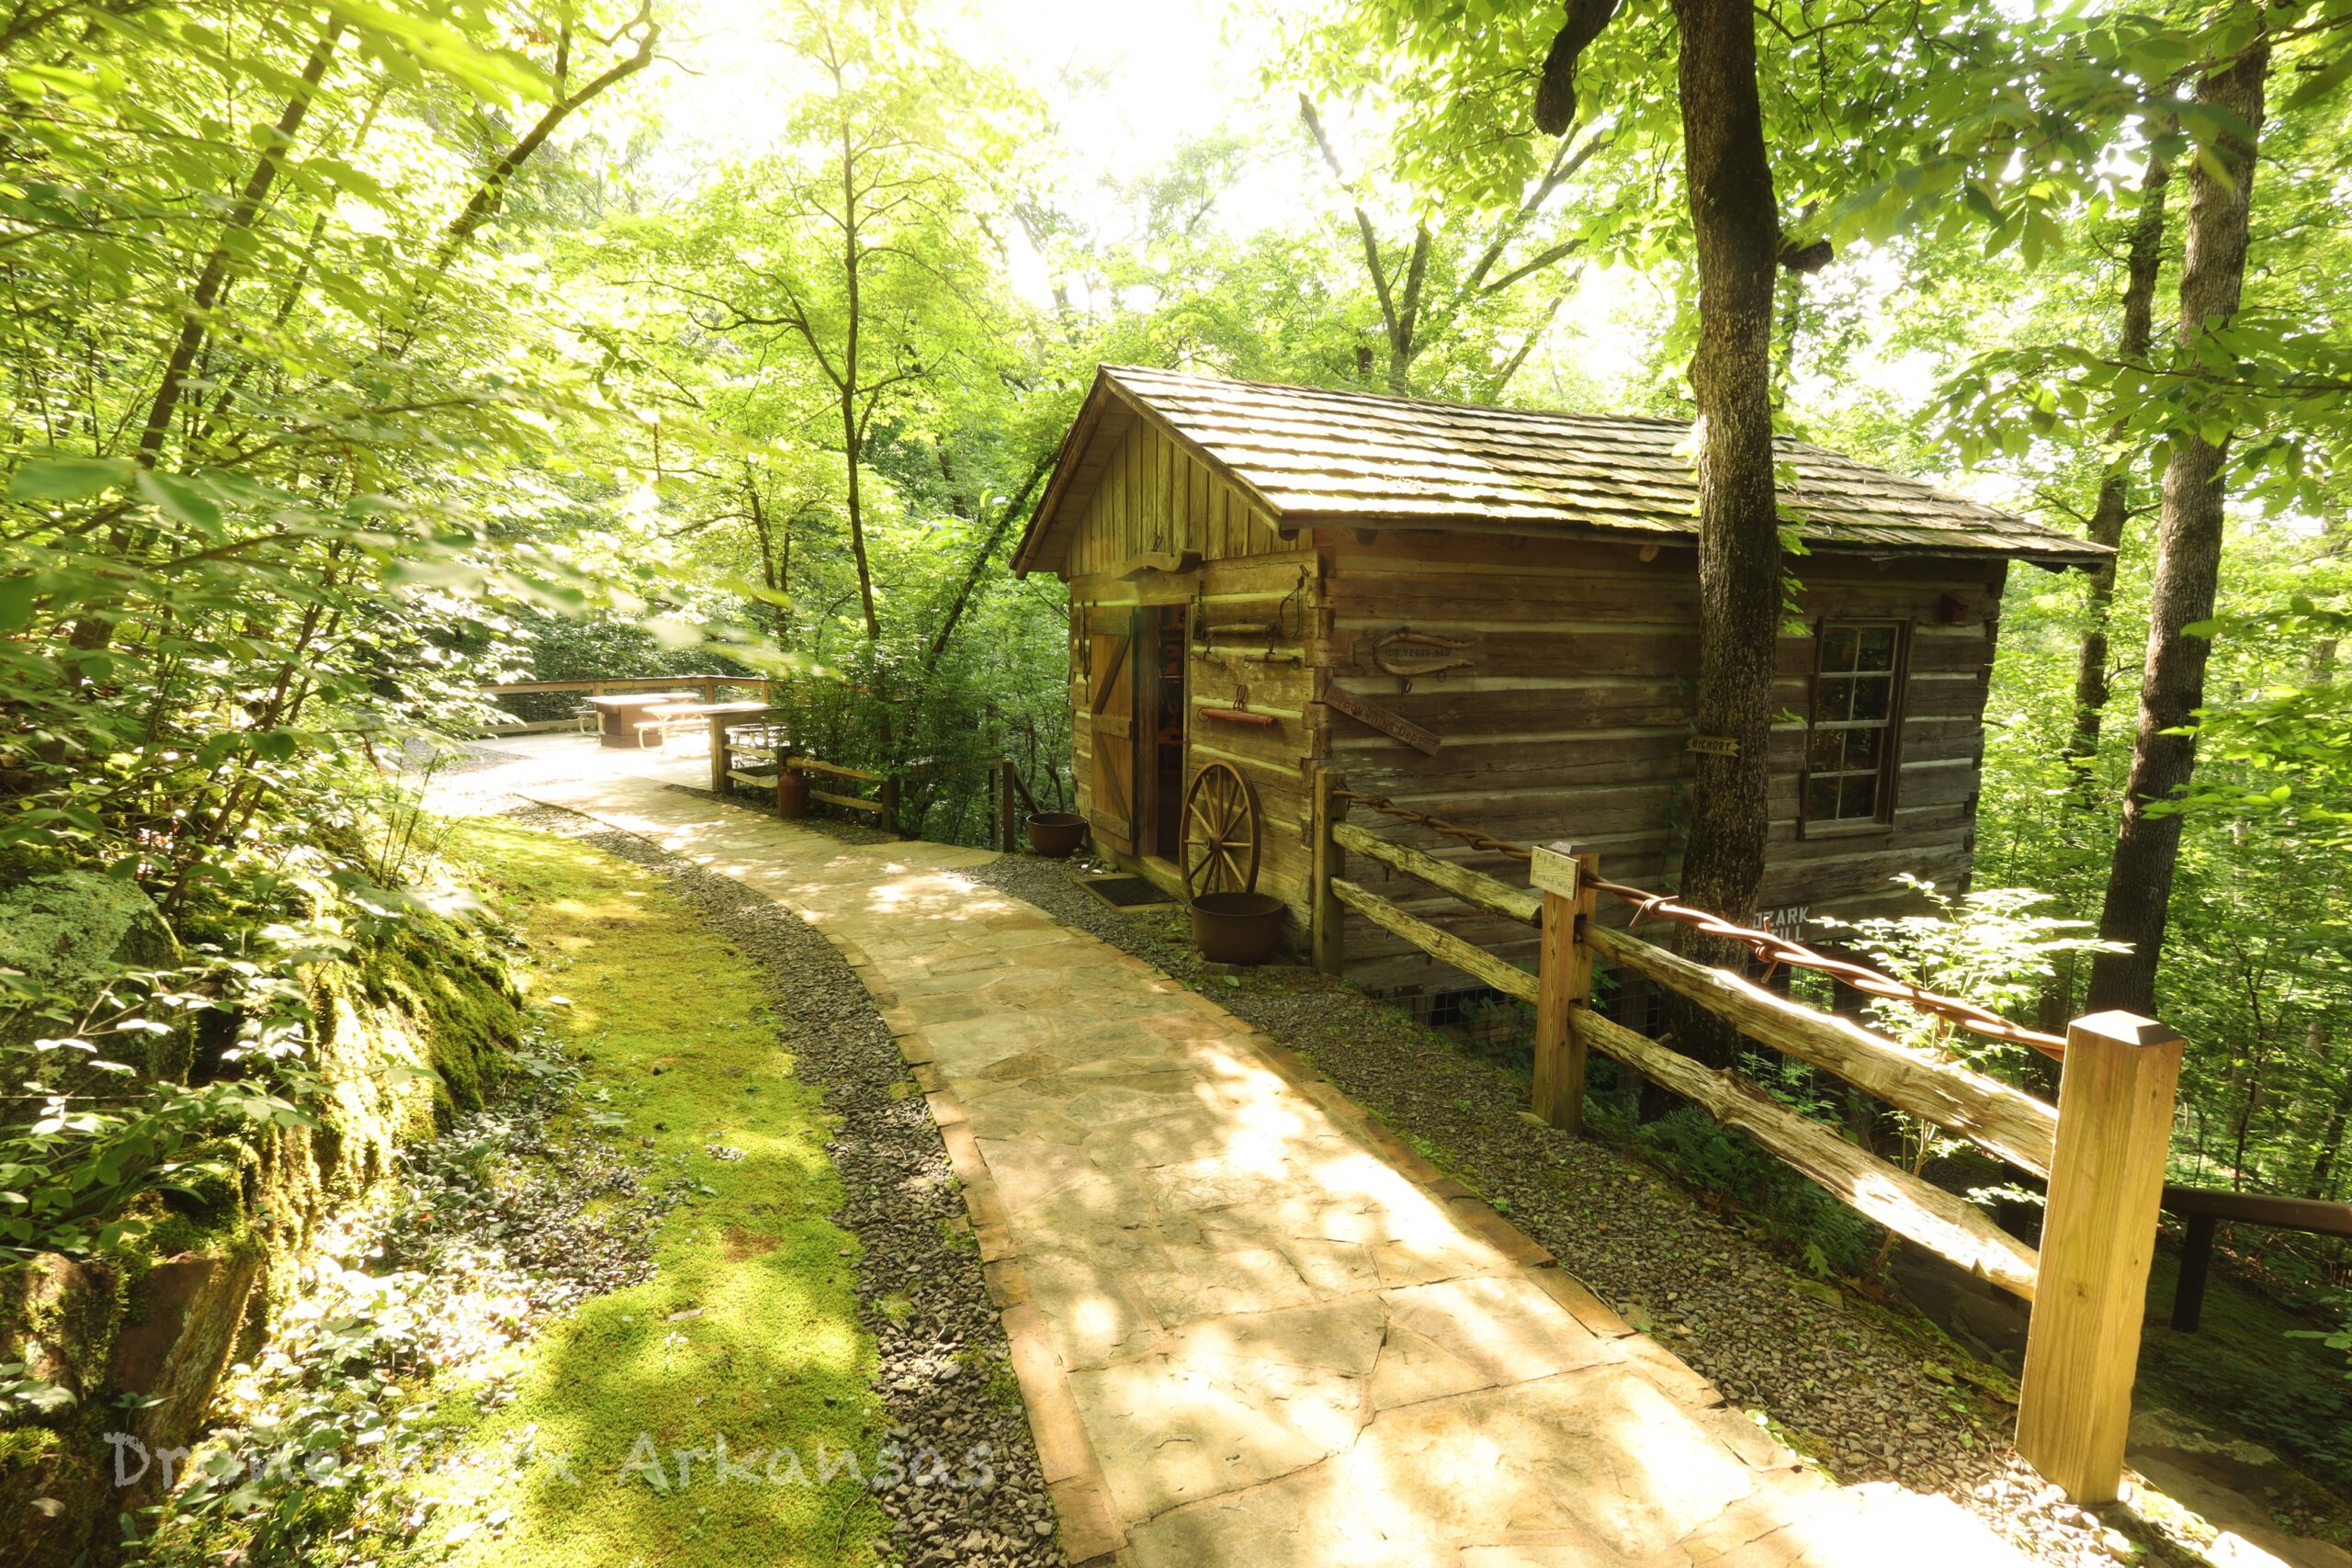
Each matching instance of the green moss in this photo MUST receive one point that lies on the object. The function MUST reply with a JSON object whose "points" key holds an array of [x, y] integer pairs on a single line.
{"points": [[462, 997], [72, 931], [748, 1331], [26, 1448]]}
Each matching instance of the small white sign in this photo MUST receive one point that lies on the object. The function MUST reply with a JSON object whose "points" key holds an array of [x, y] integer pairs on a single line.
{"points": [[1554, 869]]}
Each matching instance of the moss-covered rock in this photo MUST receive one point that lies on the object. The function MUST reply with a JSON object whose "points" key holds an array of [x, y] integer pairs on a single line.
{"points": [[411, 1028], [72, 931], [438, 973]]}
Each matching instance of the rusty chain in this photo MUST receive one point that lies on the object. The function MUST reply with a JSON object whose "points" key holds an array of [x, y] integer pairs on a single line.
{"points": [[1771, 950]]}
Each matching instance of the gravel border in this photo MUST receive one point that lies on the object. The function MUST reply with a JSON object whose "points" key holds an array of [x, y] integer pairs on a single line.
{"points": [[1872, 1394], [945, 1371]]}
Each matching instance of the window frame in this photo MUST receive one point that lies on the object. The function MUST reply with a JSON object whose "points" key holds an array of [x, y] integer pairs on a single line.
{"points": [[1890, 759]]}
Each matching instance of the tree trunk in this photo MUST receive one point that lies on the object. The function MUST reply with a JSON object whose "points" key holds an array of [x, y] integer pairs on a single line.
{"points": [[2188, 563], [2114, 509], [2330, 1143], [979, 563], [1737, 228], [776, 567], [853, 424], [93, 632]]}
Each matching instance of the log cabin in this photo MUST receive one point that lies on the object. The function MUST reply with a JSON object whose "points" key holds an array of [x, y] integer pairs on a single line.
{"points": [[1490, 616]]}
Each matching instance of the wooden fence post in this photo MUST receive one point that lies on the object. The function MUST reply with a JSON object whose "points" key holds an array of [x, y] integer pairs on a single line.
{"points": [[2196, 1264], [1563, 981], [1007, 814], [889, 798], [718, 755], [2099, 1237], [1329, 938]]}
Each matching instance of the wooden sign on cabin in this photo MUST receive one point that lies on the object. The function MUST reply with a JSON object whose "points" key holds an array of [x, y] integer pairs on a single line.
{"points": [[1539, 609], [1393, 724]]}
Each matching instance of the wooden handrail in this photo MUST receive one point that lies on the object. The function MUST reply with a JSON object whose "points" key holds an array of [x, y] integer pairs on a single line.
{"points": [[1904, 1203], [1918, 1209], [2003, 1121], [849, 802], [1471, 960], [1488, 893], [2316, 1216], [832, 770], [2202, 1209]]}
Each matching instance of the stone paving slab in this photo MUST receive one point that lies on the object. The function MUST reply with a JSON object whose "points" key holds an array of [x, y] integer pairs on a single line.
{"points": [[1250, 1326]]}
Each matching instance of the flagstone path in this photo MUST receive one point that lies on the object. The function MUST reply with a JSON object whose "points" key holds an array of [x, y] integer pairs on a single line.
{"points": [[1252, 1328]]}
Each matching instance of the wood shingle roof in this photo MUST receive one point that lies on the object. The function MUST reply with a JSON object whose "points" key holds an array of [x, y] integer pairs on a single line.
{"points": [[1314, 457]]}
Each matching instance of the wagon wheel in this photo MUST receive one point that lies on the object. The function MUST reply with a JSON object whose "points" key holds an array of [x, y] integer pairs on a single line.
{"points": [[1221, 832]]}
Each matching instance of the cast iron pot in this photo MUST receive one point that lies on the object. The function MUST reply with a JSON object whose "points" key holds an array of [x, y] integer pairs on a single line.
{"points": [[1056, 833], [1237, 928]]}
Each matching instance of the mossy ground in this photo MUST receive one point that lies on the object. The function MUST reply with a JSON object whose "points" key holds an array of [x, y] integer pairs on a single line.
{"points": [[749, 1330]]}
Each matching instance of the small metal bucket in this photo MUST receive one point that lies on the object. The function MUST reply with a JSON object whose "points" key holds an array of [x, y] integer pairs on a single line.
{"points": [[1237, 928]]}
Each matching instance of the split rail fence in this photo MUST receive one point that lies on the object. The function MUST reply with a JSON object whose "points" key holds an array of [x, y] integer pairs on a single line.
{"points": [[2101, 1148]]}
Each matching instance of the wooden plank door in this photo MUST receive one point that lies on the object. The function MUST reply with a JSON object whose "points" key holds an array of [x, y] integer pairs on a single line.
{"points": [[1111, 727]]}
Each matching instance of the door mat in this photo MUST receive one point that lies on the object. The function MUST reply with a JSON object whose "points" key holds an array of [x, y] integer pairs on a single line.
{"points": [[1126, 892]]}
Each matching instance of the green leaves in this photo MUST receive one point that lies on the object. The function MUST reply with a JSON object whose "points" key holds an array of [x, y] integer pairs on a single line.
{"points": [[61, 478], [185, 501]]}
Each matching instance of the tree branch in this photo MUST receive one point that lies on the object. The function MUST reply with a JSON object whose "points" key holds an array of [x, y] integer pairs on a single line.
{"points": [[1363, 220]]}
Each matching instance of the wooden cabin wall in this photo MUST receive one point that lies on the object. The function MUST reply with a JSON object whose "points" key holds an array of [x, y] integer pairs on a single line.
{"points": [[1153, 498], [1574, 719]]}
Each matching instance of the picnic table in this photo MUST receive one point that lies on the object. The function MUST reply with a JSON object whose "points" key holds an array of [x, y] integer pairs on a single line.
{"points": [[717, 715], [618, 714]]}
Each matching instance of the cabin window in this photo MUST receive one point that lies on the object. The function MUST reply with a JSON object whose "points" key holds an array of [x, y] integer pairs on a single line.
{"points": [[1857, 704]]}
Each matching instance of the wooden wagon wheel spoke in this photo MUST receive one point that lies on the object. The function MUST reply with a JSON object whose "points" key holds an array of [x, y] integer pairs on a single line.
{"points": [[1222, 832]]}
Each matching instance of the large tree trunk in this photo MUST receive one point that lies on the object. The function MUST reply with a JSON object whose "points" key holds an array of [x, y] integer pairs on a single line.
{"points": [[2188, 563], [2114, 508], [1737, 228]]}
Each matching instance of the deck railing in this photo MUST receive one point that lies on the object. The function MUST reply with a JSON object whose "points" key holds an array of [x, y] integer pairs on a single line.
{"points": [[2101, 1148]]}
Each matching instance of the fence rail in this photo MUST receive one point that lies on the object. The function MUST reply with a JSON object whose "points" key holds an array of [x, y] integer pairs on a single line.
{"points": [[2101, 1148], [2202, 1210], [645, 683]]}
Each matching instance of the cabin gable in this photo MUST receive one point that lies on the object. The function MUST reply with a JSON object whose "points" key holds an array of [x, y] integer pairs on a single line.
{"points": [[1146, 493]]}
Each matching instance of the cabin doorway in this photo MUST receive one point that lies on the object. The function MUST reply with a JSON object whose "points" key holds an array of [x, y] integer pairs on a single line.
{"points": [[1161, 706]]}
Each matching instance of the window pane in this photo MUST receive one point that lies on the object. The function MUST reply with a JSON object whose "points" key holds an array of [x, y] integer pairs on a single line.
{"points": [[1835, 700], [1821, 800], [1828, 750], [1870, 696], [1858, 796], [1876, 648], [1862, 747], [1836, 648]]}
